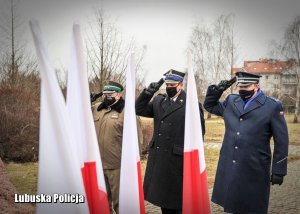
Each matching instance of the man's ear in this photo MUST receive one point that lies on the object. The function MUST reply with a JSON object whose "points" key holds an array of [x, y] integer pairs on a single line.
{"points": [[119, 95], [180, 85]]}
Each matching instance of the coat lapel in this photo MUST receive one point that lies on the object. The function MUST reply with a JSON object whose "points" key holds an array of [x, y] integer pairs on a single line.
{"points": [[257, 102], [165, 104], [239, 104], [179, 103]]}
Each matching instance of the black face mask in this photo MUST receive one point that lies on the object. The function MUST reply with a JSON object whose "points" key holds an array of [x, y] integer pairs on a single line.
{"points": [[108, 101], [171, 91], [246, 95]]}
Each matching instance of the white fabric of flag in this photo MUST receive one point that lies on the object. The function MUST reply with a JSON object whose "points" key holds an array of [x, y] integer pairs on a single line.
{"points": [[131, 197], [59, 169], [86, 144], [193, 130], [195, 188]]}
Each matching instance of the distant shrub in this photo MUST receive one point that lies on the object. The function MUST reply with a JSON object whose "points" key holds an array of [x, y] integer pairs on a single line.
{"points": [[19, 118], [147, 129]]}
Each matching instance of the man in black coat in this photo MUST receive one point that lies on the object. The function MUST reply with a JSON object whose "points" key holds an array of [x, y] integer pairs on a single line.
{"points": [[242, 183], [164, 173]]}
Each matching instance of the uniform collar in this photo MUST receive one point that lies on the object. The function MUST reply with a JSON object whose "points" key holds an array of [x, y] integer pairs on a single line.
{"points": [[252, 98], [257, 102], [119, 106]]}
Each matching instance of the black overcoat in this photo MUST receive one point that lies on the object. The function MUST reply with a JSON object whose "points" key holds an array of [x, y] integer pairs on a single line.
{"points": [[164, 172], [242, 183]]}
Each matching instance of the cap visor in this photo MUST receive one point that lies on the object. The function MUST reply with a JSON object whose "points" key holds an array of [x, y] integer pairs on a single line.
{"points": [[109, 92], [172, 81], [243, 84]]}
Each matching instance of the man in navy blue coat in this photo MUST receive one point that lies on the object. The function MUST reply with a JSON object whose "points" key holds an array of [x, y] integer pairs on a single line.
{"points": [[242, 183]]}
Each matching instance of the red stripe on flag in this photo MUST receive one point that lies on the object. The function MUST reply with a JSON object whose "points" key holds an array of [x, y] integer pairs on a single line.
{"points": [[141, 191], [97, 199], [195, 188]]}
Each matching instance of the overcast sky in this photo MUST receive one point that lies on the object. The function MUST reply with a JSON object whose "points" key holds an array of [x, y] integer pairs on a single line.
{"points": [[162, 26]]}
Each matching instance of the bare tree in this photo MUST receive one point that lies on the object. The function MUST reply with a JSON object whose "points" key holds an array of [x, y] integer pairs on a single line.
{"points": [[232, 45], [13, 56], [214, 51], [199, 48], [292, 50], [289, 48], [19, 89], [108, 53]]}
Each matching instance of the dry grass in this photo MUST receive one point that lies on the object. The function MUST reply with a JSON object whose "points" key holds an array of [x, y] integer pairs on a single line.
{"points": [[147, 129], [293, 157], [215, 129], [211, 160], [7, 195], [23, 176], [147, 121], [294, 130]]}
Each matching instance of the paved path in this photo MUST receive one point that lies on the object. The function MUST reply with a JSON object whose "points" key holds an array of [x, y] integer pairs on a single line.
{"points": [[284, 199]]}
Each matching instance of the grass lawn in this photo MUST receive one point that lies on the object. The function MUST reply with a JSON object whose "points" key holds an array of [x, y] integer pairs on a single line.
{"points": [[214, 129], [24, 176], [294, 130]]}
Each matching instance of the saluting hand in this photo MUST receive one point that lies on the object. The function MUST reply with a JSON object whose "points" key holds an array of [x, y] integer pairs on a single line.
{"points": [[95, 96], [224, 84], [154, 87]]}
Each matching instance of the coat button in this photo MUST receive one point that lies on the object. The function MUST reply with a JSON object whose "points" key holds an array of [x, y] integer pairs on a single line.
{"points": [[159, 134], [157, 147], [162, 121], [238, 133], [233, 161], [241, 119], [236, 147]]}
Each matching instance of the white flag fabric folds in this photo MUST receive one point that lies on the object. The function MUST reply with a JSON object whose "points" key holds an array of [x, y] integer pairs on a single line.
{"points": [[195, 188], [59, 169], [131, 197], [79, 109]]}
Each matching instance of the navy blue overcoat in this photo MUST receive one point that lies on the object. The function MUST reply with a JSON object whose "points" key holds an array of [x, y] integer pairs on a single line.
{"points": [[242, 183]]}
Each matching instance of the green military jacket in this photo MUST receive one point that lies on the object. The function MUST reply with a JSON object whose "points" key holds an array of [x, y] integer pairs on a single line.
{"points": [[109, 128]]}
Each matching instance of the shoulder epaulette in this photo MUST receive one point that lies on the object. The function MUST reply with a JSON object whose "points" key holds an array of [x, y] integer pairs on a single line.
{"points": [[274, 99], [233, 96], [95, 104]]}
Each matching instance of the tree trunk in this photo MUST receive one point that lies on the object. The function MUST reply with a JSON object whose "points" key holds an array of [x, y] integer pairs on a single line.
{"points": [[297, 104]]}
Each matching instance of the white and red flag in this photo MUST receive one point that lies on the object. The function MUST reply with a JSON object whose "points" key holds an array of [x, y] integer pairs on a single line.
{"points": [[131, 197], [79, 109], [195, 188], [59, 169]]}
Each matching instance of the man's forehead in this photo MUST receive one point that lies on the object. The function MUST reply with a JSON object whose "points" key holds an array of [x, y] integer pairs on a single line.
{"points": [[171, 84], [111, 94], [247, 86]]}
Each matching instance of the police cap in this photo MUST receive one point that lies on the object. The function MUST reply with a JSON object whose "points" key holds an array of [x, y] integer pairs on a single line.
{"points": [[245, 78], [173, 76]]}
